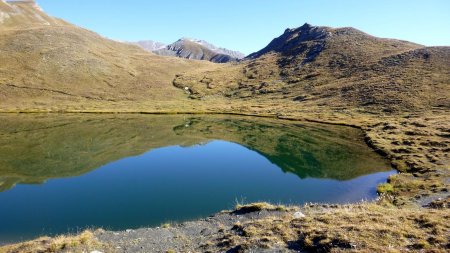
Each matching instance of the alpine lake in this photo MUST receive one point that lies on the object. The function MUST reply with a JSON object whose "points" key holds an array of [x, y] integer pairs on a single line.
{"points": [[62, 173]]}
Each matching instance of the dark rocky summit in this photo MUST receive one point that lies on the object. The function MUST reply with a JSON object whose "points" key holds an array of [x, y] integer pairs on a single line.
{"points": [[291, 38]]}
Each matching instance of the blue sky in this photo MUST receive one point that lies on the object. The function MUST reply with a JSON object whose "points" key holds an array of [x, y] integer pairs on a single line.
{"points": [[249, 25]]}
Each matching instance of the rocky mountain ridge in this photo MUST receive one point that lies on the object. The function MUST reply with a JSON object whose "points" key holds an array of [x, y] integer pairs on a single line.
{"points": [[189, 48], [219, 50], [199, 50]]}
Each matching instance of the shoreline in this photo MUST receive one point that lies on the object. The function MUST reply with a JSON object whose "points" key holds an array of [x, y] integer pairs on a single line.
{"points": [[271, 116], [263, 227]]}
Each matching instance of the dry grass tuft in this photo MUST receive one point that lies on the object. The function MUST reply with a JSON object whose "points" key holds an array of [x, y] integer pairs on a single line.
{"points": [[83, 242], [385, 188]]}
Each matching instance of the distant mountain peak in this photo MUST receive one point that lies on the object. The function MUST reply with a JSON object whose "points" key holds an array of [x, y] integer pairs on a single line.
{"points": [[149, 45], [304, 27], [308, 41], [293, 37], [187, 39], [220, 50], [191, 48]]}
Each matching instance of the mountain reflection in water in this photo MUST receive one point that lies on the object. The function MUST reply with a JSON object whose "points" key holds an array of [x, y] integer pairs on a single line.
{"points": [[35, 148]]}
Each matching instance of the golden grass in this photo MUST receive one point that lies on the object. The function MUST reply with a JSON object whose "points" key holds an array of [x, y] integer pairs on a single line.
{"points": [[366, 227], [362, 227], [385, 188], [84, 242], [166, 225]]}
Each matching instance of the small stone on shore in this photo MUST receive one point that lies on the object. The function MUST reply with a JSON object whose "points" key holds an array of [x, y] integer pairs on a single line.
{"points": [[298, 215]]}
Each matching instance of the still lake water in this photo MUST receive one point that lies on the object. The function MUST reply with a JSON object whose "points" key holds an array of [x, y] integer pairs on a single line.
{"points": [[63, 173]]}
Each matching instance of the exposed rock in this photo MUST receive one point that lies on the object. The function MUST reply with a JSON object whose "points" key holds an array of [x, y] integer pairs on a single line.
{"points": [[199, 50], [299, 215], [291, 38]]}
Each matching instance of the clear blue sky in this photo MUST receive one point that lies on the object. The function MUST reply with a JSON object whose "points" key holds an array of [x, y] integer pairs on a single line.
{"points": [[249, 25]]}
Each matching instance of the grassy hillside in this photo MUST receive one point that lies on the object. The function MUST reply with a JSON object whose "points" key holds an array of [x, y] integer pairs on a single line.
{"points": [[340, 68], [25, 14], [53, 64]]}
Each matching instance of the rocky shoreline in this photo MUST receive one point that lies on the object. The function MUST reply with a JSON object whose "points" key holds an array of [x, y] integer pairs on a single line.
{"points": [[262, 227]]}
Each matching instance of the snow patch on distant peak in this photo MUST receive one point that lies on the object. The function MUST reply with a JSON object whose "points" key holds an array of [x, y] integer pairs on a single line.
{"points": [[149, 45], [218, 50]]}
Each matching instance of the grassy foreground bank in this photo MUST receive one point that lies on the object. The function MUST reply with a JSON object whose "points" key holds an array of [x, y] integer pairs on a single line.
{"points": [[374, 227]]}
